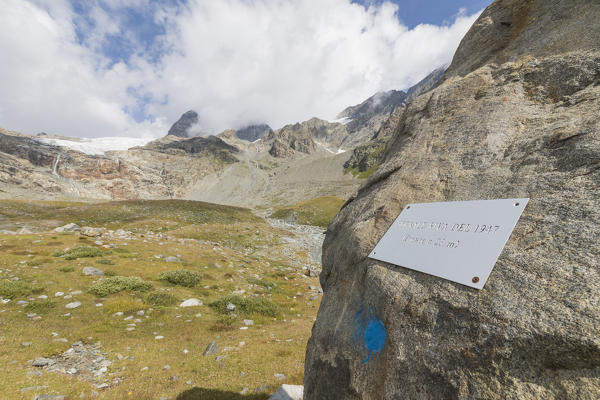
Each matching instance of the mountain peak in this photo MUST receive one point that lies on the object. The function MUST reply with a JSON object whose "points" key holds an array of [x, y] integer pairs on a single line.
{"points": [[253, 132], [183, 124]]}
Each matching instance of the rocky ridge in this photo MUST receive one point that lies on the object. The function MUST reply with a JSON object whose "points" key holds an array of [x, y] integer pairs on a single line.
{"points": [[515, 116]]}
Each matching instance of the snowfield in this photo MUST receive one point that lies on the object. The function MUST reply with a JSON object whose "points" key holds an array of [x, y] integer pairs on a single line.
{"points": [[97, 146]]}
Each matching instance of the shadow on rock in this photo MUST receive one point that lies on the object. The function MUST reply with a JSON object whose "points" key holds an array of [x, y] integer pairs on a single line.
{"points": [[214, 394]]}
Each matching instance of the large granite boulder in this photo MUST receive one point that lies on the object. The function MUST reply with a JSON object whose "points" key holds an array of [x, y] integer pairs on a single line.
{"points": [[516, 116]]}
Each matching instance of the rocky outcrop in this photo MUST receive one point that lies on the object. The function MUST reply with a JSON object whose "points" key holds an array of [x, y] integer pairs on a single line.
{"points": [[366, 120], [181, 127], [370, 154], [252, 133], [290, 139], [201, 146], [516, 116]]}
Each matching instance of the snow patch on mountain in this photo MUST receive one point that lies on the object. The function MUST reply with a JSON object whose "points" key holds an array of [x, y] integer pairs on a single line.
{"points": [[97, 146]]}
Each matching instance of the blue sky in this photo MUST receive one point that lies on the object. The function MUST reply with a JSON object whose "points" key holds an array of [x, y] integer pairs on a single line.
{"points": [[435, 12], [131, 68]]}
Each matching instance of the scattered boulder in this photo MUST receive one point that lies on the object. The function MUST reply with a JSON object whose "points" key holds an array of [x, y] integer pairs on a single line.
{"points": [[90, 232], [288, 392], [72, 227], [172, 259], [74, 304], [50, 397], [42, 362], [248, 322], [191, 303], [212, 348], [92, 271]]}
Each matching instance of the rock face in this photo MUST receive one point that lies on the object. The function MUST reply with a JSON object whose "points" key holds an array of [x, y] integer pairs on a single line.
{"points": [[251, 133], [516, 116], [183, 124], [164, 168], [289, 139]]}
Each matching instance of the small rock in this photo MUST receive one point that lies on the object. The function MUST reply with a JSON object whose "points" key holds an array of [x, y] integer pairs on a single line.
{"points": [[288, 392], [42, 362], [172, 259], [230, 307], [49, 397], [191, 303], [159, 337], [74, 304], [279, 376], [91, 271], [30, 388], [144, 369], [42, 297], [34, 373], [118, 314], [185, 351], [68, 228], [76, 292], [167, 367], [26, 344], [248, 322], [90, 232], [212, 348], [102, 386], [59, 294]]}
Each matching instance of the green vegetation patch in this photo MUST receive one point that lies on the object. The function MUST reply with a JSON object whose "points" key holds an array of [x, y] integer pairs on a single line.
{"points": [[79, 252], [262, 282], [116, 284], [317, 212], [246, 306], [119, 213], [16, 289], [163, 299], [105, 261], [40, 307], [181, 277], [362, 174], [66, 269]]}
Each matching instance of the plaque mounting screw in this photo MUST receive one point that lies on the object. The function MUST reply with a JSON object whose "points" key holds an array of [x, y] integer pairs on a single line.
{"points": [[475, 279], [516, 204], [407, 207]]}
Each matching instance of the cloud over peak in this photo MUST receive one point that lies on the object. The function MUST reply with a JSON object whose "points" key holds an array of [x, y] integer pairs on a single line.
{"points": [[103, 68]]}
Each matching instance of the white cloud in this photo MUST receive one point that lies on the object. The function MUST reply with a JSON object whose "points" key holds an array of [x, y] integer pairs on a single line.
{"points": [[233, 61]]}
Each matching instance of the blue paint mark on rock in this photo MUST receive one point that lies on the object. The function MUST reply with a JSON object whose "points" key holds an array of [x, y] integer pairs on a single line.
{"points": [[374, 337], [369, 333]]}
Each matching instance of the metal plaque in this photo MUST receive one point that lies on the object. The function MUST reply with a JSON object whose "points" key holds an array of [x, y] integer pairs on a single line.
{"points": [[459, 241]]}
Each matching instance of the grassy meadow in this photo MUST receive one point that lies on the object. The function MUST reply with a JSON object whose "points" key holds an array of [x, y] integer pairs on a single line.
{"points": [[230, 260]]}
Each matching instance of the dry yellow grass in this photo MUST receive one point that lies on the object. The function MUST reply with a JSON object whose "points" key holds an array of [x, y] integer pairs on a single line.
{"points": [[270, 346]]}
